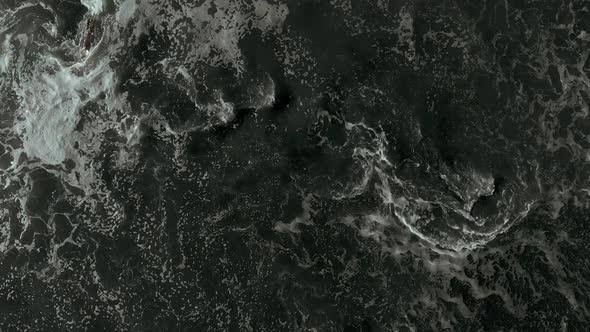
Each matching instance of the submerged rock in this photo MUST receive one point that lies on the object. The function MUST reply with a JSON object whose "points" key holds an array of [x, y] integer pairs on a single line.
{"points": [[92, 32]]}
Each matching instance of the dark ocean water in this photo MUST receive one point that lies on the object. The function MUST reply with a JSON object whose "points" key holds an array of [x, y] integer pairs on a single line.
{"points": [[265, 165]]}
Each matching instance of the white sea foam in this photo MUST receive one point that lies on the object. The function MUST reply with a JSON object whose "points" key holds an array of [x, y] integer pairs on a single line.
{"points": [[126, 10], [204, 37], [5, 53], [50, 102], [94, 6], [432, 213]]}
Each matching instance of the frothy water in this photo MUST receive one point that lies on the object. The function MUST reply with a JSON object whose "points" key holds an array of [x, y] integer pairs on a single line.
{"points": [[50, 104], [94, 6], [172, 143]]}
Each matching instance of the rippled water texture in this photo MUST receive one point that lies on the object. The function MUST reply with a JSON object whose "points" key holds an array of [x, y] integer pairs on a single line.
{"points": [[266, 165]]}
